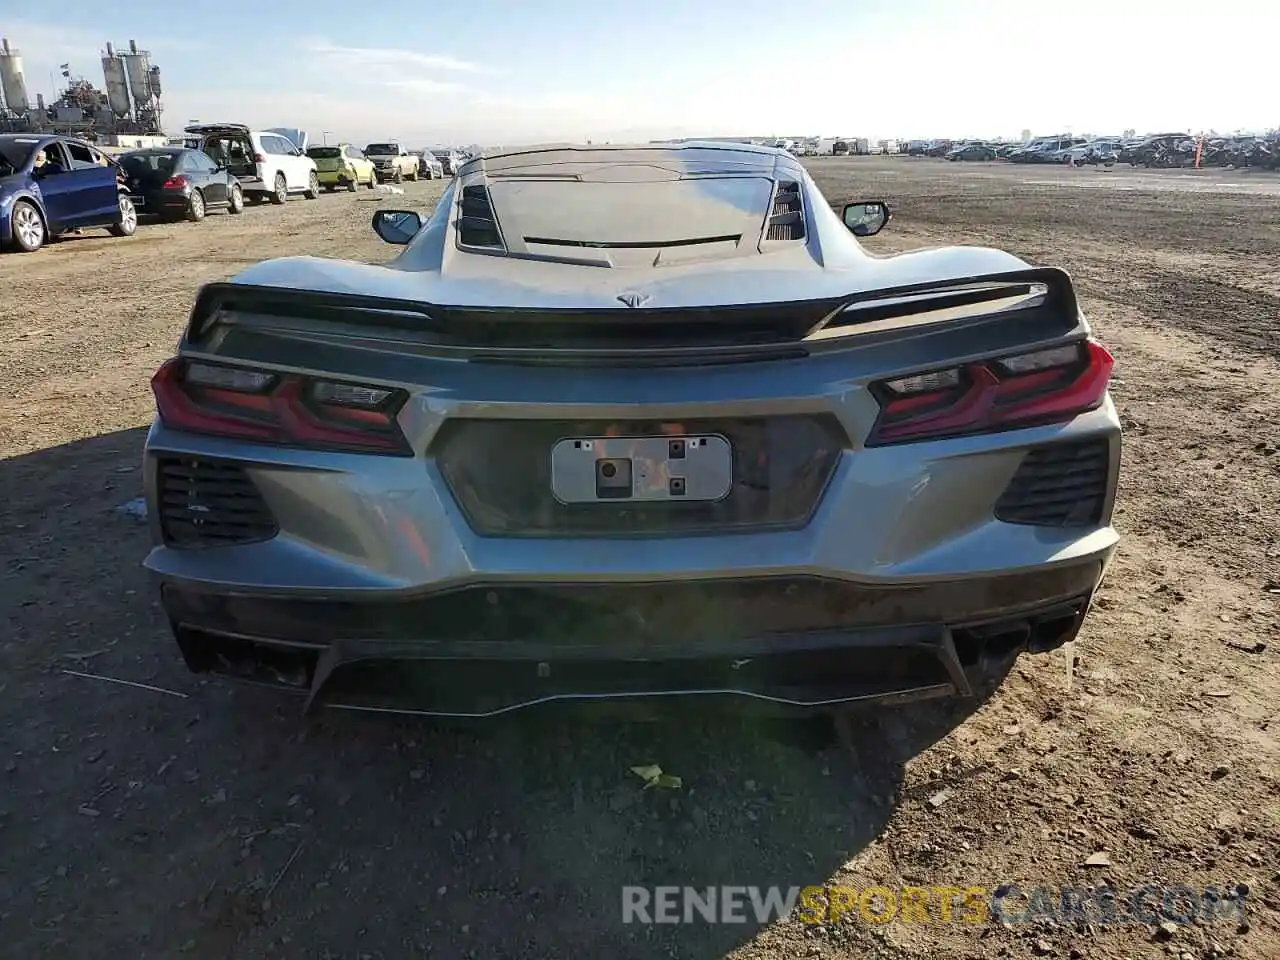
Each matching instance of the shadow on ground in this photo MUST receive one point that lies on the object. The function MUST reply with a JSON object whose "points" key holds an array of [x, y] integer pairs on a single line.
{"points": [[219, 823]]}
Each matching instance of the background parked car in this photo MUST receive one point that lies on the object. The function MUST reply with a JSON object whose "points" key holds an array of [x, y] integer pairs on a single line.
{"points": [[1046, 150], [175, 182], [268, 165], [343, 165], [1100, 151], [392, 162], [972, 151], [429, 168], [77, 186], [450, 160], [1160, 150]]}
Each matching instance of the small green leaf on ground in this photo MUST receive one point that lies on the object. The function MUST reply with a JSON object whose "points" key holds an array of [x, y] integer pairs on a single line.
{"points": [[653, 776]]}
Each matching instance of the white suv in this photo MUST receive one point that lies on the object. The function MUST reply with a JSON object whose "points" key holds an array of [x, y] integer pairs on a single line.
{"points": [[268, 165]]}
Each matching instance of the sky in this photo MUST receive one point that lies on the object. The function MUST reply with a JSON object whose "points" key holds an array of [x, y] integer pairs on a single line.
{"points": [[503, 72]]}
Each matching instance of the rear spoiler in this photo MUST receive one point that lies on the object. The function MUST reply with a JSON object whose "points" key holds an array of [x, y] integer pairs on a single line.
{"points": [[1042, 294], [1048, 290]]}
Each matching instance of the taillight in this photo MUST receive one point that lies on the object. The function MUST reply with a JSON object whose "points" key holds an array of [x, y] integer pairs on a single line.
{"points": [[177, 183], [245, 404], [259, 158], [1001, 393]]}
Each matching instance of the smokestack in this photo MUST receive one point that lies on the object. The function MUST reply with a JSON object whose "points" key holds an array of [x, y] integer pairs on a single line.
{"points": [[6, 45], [133, 46], [110, 52]]}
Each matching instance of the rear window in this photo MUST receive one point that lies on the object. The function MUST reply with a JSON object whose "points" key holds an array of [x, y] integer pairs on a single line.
{"points": [[382, 148], [632, 213], [324, 153], [140, 163]]}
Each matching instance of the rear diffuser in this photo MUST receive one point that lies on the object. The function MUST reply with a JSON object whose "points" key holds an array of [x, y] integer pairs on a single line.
{"points": [[809, 671]]}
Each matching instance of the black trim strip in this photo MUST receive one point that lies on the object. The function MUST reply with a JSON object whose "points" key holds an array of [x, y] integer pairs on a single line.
{"points": [[592, 328], [633, 244]]}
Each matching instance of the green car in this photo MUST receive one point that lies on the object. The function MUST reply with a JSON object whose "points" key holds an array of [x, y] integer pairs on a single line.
{"points": [[343, 166]]}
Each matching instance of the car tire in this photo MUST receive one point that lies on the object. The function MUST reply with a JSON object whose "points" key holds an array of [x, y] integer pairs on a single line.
{"points": [[353, 184], [236, 203], [373, 180], [128, 224], [313, 187], [281, 192], [414, 178], [33, 232], [195, 206], [399, 176]]}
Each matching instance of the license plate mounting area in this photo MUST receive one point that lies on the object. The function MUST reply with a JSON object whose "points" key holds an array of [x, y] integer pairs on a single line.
{"points": [[646, 469]]}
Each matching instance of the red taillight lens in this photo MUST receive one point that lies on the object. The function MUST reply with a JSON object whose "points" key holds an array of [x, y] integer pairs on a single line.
{"points": [[177, 183], [245, 404], [998, 394], [259, 158]]}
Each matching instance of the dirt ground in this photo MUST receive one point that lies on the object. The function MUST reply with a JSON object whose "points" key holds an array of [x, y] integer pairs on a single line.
{"points": [[137, 823]]}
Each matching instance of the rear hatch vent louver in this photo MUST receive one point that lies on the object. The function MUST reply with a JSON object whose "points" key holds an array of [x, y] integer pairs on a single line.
{"points": [[206, 503], [786, 220], [1060, 485], [477, 225]]}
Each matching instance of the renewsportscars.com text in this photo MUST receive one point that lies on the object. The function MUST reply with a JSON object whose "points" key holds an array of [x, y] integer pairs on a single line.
{"points": [[973, 904]]}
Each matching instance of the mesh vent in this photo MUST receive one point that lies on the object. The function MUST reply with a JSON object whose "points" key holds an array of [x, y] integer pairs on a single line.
{"points": [[478, 227], [206, 503], [786, 221], [1062, 485]]}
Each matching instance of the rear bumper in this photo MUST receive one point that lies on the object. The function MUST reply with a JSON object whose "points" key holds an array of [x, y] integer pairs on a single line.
{"points": [[833, 571], [162, 201], [484, 649], [335, 177]]}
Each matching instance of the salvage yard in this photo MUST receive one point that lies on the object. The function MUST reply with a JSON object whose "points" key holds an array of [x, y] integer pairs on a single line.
{"points": [[194, 818]]}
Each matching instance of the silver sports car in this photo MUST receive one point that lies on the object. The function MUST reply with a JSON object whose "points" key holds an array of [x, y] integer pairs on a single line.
{"points": [[631, 422]]}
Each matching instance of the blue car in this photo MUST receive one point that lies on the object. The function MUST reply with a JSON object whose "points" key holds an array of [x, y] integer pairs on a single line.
{"points": [[50, 185]]}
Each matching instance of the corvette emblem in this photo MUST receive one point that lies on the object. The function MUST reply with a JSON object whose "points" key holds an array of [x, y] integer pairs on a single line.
{"points": [[634, 300]]}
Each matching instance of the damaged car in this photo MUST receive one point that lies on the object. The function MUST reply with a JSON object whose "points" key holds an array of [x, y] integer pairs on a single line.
{"points": [[632, 422]]}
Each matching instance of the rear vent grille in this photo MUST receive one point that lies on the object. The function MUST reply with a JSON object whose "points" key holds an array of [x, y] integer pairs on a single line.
{"points": [[207, 503], [786, 222], [478, 227], [1062, 485]]}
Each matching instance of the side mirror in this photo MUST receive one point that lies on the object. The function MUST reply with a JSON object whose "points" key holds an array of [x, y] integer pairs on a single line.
{"points": [[396, 226], [867, 217]]}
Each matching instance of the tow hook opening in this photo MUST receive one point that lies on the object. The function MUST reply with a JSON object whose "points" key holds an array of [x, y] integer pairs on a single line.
{"points": [[1052, 631], [277, 666]]}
